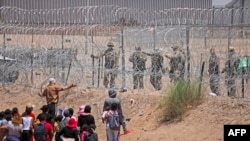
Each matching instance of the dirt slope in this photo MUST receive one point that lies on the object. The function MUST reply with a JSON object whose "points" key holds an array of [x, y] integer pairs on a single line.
{"points": [[204, 122]]}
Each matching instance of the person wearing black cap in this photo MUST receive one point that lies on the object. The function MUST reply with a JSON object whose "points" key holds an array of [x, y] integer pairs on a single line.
{"points": [[113, 99], [45, 110]]}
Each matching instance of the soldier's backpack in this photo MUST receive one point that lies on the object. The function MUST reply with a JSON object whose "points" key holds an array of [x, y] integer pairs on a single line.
{"points": [[114, 121], [40, 132], [139, 62], [111, 57], [87, 136]]}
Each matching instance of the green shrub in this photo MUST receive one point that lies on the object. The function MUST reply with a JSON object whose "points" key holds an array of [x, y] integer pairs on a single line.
{"points": [[179, 98]]}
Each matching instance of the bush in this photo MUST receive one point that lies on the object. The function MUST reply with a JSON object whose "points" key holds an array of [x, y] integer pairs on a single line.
{"points": [[179, 98]]}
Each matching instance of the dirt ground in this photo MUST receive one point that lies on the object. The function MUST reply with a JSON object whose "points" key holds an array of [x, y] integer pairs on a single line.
{"points": [[204, 122]]}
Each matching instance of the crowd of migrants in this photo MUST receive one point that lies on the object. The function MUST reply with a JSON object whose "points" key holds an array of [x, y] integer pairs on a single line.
{"points": [[61, 124]]}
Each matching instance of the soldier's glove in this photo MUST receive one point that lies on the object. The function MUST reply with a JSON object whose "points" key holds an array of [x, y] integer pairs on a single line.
{"points": [[223, 71], [40, 94]]}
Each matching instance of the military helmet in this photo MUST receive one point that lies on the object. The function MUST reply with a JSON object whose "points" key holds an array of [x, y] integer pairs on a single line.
{"points": [[137, 48], [110, 44], [174, 47], [231, 48], [182, 50]]}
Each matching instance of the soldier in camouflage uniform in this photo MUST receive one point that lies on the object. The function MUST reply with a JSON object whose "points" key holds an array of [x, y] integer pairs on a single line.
{"points": [[231, 72], [156, 68], [175, 64], [138, 59], [213, 70], [182, 64], [111, 64]]}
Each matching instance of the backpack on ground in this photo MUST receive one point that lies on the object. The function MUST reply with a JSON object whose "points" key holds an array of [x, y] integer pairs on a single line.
{"points": [[114, 122], [40, 132], [87, 136]]}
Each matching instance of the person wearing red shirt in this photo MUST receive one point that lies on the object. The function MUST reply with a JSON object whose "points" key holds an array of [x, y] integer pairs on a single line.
{"points": [[48, 128]]}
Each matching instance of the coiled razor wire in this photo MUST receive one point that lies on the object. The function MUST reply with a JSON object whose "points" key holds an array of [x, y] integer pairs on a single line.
{"points": [[111, 15], [43, 43]]}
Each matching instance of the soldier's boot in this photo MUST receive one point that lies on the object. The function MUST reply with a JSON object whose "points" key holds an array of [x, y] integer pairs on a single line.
{"points": [[152, 81], [232, 88], [141, 86], [233, 91], [135, 84], [141, 83], [158, 85], [217, 90], [157, 88]]}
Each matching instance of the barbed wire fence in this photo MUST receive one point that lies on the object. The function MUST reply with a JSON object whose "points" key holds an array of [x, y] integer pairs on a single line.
{"points": [[39, 44]]}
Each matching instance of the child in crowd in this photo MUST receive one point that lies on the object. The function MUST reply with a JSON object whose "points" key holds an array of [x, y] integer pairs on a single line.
{"points": [[15, 112], [71, 112], [57, 128], [81, 111], [105, 114], [88, 133], [84, 132]]}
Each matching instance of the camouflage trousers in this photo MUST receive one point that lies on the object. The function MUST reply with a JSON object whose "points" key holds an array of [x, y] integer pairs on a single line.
{"points": [[109, 77], [182, 75], [176, 76], [214, 82], [155, 79], [231, 87], [138, 79]]}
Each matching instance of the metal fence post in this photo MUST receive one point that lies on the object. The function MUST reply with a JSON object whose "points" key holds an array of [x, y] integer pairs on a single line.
{"points": [[123, 88], [63, 73], [4, 44], [93, 60], [188, 52]]}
